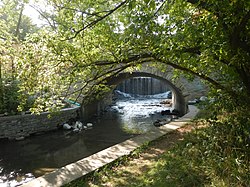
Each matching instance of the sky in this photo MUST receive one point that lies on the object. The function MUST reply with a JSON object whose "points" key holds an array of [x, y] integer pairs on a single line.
{"points": [[33, 14]]}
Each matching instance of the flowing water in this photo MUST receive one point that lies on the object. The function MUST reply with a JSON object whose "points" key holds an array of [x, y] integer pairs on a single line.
{"points": [[24, 160]]}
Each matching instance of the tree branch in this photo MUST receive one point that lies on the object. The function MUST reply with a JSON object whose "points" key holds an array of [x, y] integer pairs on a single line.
{"points": [[124, 61], [19, 22], [155, 14], [52, 25], [147, 56], [91, 24], [202, 76], [104, 76], [83, 12]]}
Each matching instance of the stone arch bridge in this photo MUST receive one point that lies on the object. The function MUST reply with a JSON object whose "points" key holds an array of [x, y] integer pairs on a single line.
{"points": [[183, 90]]}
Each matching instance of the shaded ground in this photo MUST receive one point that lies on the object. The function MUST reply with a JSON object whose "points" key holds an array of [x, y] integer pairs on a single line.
{"points": [[203, 153], [128, 172]]}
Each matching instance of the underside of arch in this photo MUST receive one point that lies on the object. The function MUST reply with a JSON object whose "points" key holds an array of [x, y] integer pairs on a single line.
{"points": [[178, 98], [179, 102]]}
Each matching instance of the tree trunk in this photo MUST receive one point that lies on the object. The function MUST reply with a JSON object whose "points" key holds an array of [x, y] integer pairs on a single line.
{"points": [[1, 88], [17, 35], [19, 23]]}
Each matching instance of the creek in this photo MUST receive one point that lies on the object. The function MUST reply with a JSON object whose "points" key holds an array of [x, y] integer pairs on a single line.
{"points": [[128, 116]]}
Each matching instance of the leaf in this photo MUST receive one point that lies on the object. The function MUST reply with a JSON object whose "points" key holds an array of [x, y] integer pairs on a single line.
{"points": [[132, 4]]}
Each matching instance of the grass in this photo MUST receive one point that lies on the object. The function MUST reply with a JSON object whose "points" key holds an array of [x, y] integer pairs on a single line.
{"points": [[204, 153]]}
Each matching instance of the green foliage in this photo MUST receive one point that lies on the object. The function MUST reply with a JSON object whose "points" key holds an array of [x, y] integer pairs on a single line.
{"points": [[13, 21], [191, 37], [10, 98], [216, 153], [88, 42], [211, 156], [14, 28]]}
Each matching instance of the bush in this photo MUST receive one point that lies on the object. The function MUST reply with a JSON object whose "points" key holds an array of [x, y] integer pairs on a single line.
{"points": [[11, 98]]}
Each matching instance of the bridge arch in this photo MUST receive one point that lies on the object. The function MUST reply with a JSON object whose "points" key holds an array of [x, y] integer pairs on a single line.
{"points": [[178, 100]]}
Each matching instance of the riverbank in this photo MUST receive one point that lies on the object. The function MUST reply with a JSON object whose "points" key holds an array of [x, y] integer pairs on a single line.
{"points": [[194, 155], [130, 171]]}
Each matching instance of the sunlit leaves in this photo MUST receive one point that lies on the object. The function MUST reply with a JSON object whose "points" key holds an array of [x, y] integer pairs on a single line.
{"points": [[64, 61], [39, 73]]}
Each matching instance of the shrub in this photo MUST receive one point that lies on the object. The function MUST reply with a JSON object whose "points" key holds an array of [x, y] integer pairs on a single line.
{"points": [[11, 98]]}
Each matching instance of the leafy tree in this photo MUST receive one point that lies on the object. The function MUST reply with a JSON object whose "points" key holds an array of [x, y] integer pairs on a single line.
{"points": [[14, 28], [87, 42], [15, 22]]}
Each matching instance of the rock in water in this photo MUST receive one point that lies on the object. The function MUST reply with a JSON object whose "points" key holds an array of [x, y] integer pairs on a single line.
{"points": [[159, 123], [79, 125], [203, 98], [66, 126], [89, 125], [76, 130], [165, 112], [20, 138]]}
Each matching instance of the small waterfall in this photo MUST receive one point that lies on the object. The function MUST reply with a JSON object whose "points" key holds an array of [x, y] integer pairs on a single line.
{"points": [[143, 86]]}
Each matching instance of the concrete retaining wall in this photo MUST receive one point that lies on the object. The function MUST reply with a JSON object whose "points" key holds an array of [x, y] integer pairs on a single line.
{"points": [[19, 126]]}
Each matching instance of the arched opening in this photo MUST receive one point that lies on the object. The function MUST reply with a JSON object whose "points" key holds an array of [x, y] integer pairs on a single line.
{"points": [[178, 101]]}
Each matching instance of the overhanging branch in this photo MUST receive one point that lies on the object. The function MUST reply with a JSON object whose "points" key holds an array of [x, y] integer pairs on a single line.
{"points": [[91, 24], [200, 75]]}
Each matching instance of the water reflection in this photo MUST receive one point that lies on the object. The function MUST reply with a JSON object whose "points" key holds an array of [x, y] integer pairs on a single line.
{"points": [[40, 154], [21, 161]]}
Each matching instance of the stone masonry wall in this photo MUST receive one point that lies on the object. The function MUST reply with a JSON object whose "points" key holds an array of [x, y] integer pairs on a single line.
{"points": [[19, 126]]}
